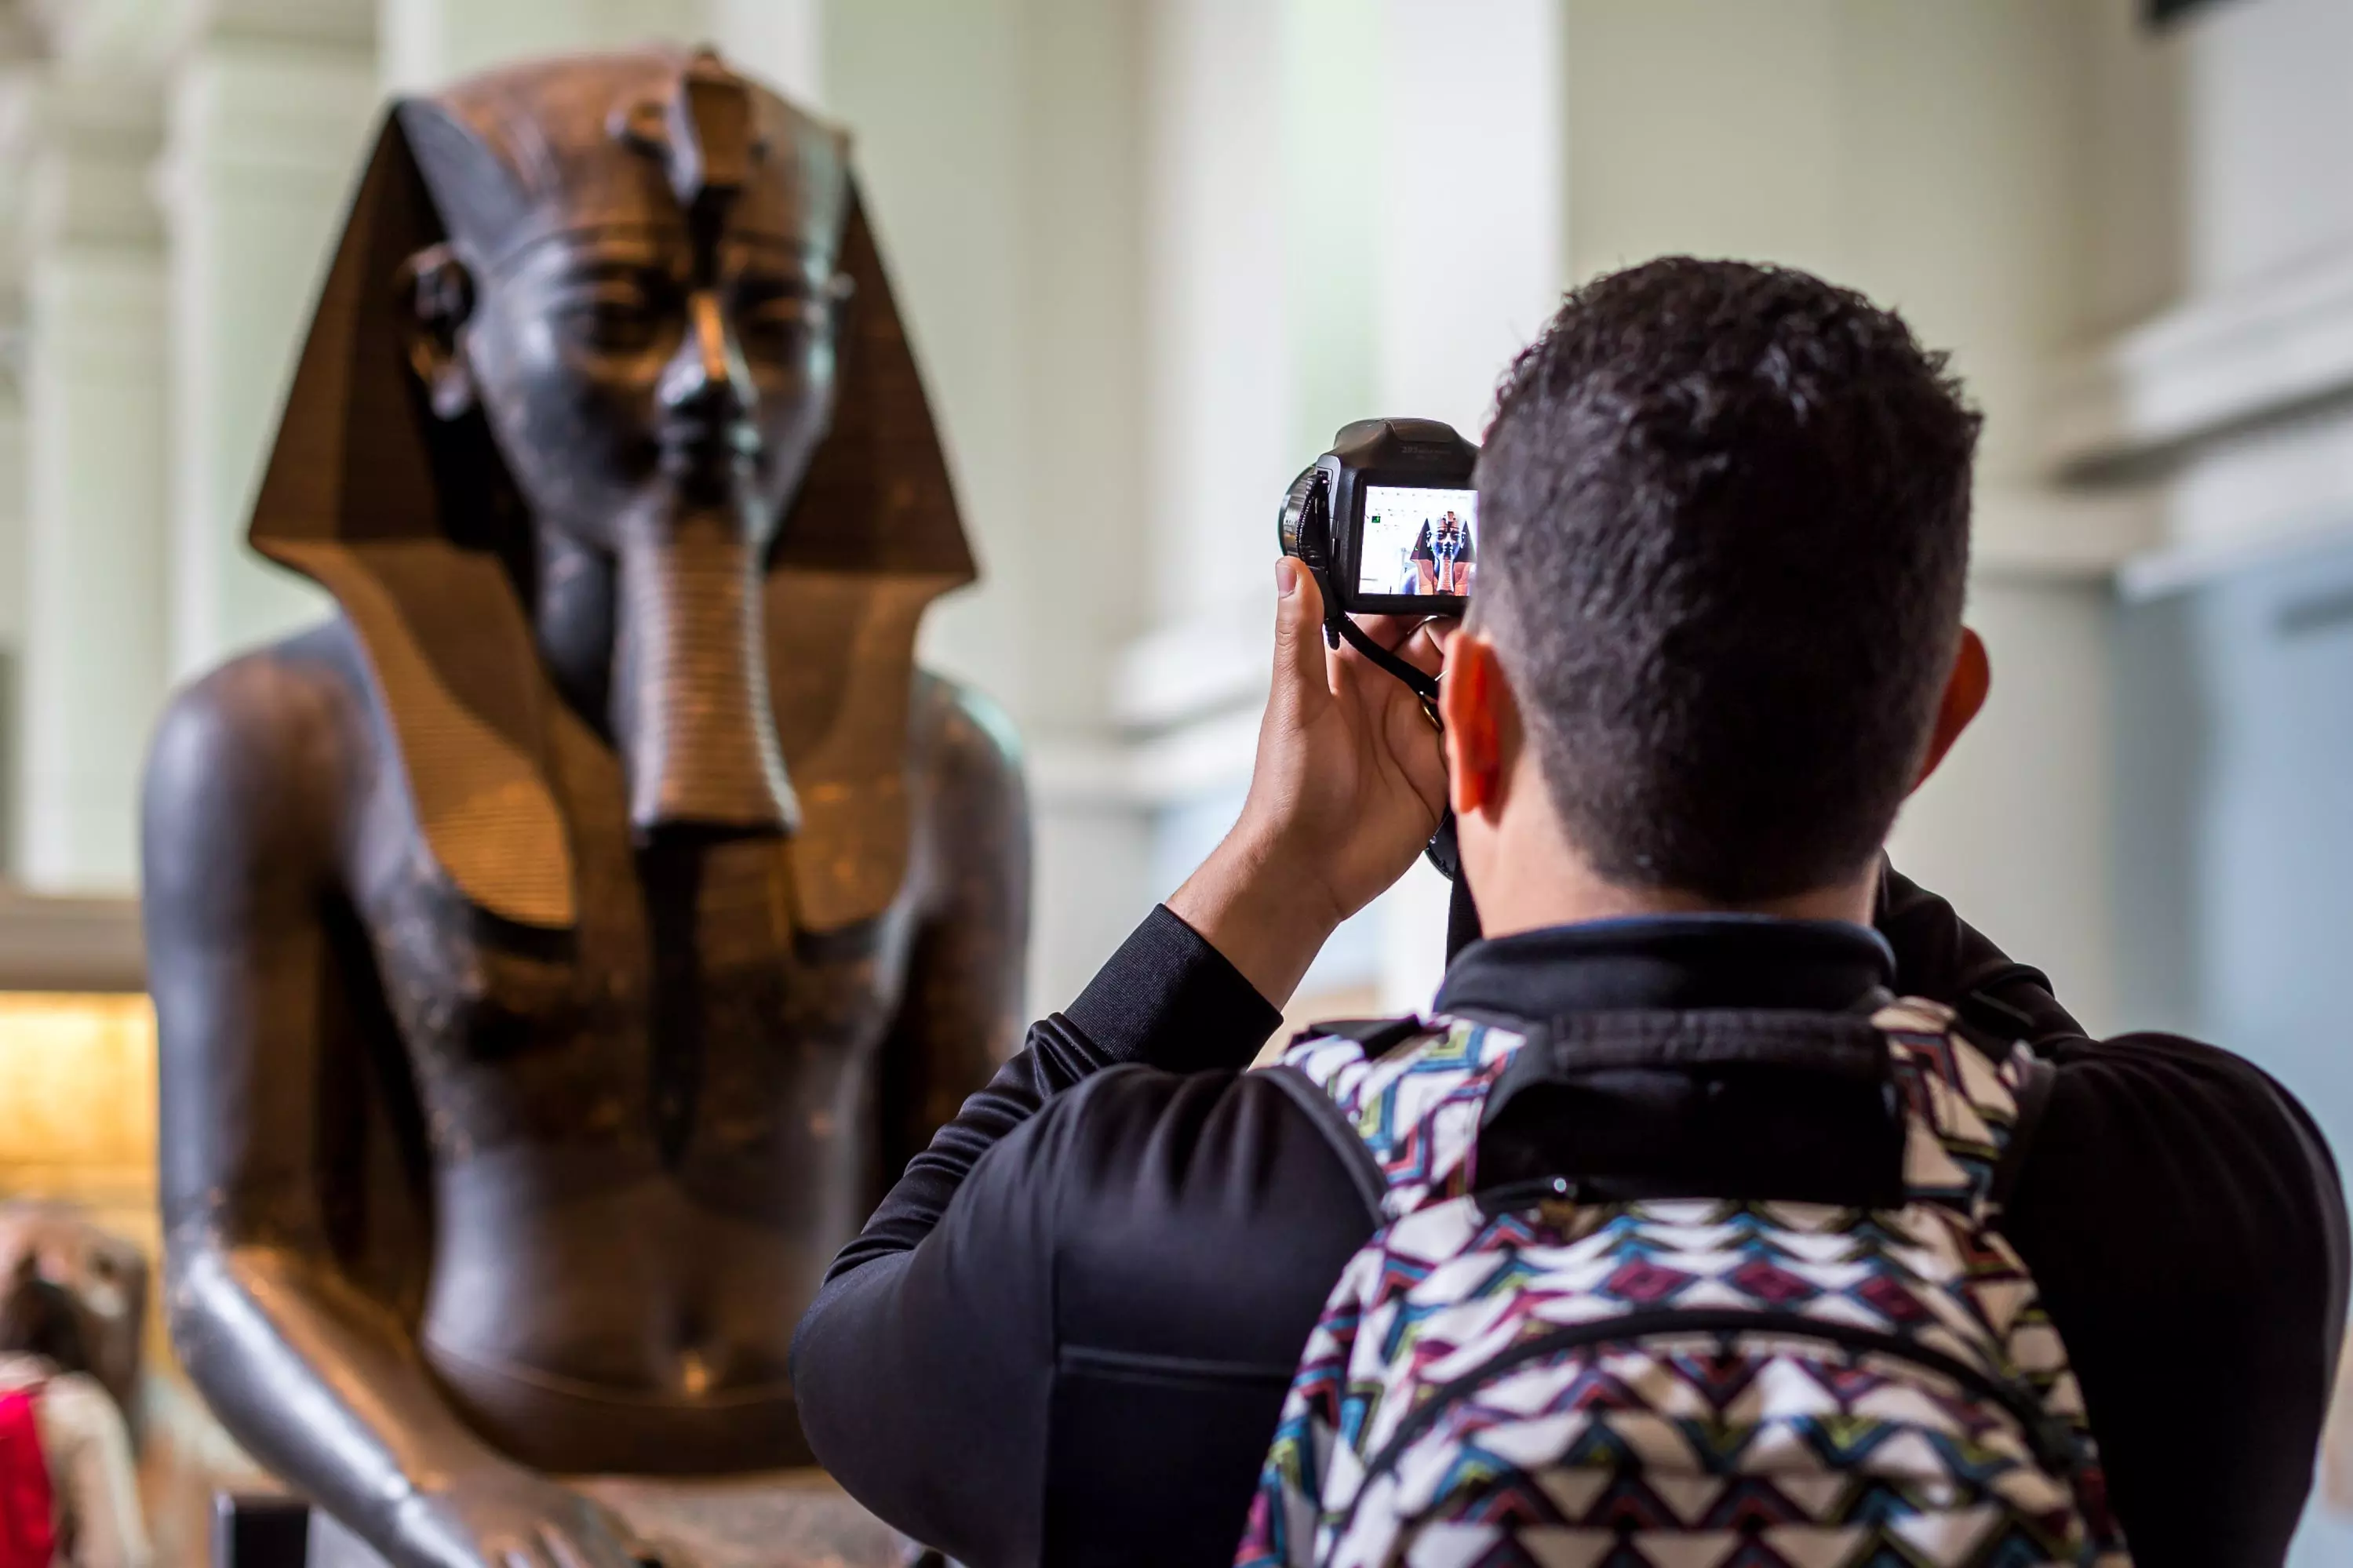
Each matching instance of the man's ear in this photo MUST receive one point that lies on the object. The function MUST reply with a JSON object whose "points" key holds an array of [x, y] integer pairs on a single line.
{"points": [[1474, 700], [1964, 699], [436, 299]]}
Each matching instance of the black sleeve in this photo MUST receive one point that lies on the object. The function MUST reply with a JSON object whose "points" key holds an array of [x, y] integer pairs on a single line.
{"points": [[2187, 1226], [1166, 999], [1940, 956], [1065, 1335]]}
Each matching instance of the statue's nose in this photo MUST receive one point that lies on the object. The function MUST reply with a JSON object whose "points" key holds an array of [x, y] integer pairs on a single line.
{"points": [[706, 383]]}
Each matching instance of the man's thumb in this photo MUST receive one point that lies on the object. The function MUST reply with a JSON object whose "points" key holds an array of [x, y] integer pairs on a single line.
{"points": [[1299, 669]]}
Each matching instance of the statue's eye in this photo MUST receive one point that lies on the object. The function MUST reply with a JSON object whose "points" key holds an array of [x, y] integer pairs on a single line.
{"points": [[774, 323], [612, 315]]}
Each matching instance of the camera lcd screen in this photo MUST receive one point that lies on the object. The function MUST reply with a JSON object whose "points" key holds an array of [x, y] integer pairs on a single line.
{"points": [[1417, 543]]}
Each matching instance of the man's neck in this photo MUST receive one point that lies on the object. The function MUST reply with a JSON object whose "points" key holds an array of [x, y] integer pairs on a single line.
{"points": [[1528, 875]]}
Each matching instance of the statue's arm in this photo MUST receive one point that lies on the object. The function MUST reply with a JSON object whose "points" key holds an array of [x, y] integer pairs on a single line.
{"points": [[963, 1013], [318, 1377]]}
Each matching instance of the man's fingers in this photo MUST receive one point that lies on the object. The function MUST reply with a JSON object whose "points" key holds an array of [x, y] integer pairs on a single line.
{"points": [[1389, 630], [1300, 675], [1419, 640], [1426, 648]]}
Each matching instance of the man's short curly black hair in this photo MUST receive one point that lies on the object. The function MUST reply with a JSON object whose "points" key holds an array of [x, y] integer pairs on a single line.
{"points": [[1724, 515]]}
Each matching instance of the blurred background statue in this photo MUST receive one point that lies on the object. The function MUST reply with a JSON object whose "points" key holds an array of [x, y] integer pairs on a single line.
{"points": [[554, 953], [102, 1402], [71, 1493], [105, 1275]]}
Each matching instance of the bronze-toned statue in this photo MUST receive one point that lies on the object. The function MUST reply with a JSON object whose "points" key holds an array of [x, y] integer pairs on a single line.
{"points": [[554, 951]]}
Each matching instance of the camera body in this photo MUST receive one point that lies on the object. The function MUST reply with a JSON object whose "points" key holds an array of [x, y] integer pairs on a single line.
{"points": [[1388, 519]]}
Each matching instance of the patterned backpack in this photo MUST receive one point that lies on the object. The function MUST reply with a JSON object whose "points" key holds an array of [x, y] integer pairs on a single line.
{"points": [[1519, 1377]]}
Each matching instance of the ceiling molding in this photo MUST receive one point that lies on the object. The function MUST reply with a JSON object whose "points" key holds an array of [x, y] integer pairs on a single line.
{"points": [[71, 945], [2030, 531], [2217, 366]]}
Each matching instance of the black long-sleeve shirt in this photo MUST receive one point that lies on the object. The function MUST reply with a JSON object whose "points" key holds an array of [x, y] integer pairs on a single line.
{"points": [[1066, 1334]]}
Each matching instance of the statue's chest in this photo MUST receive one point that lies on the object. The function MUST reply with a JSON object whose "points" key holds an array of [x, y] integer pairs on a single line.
{"points": [[685, 1004]]}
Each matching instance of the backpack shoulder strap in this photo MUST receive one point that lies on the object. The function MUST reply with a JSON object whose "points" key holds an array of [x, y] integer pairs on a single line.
{"points": [[1411, 1098], [1376, 1036], [1971, 1106]]}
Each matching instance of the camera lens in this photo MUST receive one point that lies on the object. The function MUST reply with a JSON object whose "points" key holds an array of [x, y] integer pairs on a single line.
{"points": [[1290, 521]]}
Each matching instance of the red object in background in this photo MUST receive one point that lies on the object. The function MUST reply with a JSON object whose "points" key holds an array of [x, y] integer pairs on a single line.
{"points": [[28, 1506]]}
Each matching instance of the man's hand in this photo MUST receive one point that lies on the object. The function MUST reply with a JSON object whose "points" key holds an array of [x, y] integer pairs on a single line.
{"points": [[1350, 784]]}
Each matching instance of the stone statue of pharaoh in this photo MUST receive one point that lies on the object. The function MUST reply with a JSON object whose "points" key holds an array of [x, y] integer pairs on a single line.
{"points": [[555, 951]]}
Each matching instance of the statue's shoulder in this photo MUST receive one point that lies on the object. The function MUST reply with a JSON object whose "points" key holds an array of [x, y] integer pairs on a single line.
{"points": [[957, 727], [965, 760], [265, 726]]}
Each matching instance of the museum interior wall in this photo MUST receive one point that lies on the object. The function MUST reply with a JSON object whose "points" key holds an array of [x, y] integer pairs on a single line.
{"points": [[1150, 253]]}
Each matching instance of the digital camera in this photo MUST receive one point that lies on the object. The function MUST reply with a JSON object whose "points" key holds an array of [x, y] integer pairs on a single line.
{"points": [[1388, 519]]}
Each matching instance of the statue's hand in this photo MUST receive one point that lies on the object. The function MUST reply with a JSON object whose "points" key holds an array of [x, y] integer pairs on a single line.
{"points": [[510, 1519]]}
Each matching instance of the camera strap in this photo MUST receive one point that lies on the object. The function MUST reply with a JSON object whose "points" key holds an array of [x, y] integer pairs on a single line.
{"points": [[1338, 626], [1462, 926]]}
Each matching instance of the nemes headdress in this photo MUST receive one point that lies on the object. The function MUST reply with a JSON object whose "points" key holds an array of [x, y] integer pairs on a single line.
{"points": [[360, 493]]}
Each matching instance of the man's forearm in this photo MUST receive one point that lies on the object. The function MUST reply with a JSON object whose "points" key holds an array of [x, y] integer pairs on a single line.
{"points": [[1056, 1056], [1269, 923]]}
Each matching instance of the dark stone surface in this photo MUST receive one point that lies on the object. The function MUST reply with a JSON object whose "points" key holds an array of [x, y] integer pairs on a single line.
{"points": [[554, 953]]}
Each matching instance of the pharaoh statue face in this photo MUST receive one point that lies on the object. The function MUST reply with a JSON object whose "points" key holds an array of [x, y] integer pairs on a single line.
{"points": [[640, 296], [653, 333], [606, 412]]}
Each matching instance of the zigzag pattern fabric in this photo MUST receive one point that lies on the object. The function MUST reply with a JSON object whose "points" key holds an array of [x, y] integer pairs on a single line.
{"points": [[1684, 1383]]}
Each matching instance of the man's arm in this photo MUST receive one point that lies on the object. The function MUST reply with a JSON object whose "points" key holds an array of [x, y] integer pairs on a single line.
{"points": [[1165, 999], [2185, 1223], [2187, 1228], [929, 1368], [1069, 1290]]}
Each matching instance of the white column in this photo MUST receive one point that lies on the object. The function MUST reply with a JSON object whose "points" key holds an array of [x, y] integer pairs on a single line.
{"points": [[1926, 155], [1218, 331], [1016, 264], [1223, 429], [15, 105], [1353, 210], [1471, 97], [12, 555], [267, 121], [94, 390]]}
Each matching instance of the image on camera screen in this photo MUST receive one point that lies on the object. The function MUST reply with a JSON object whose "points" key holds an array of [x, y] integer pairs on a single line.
{"points": [[1418, 541]]}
